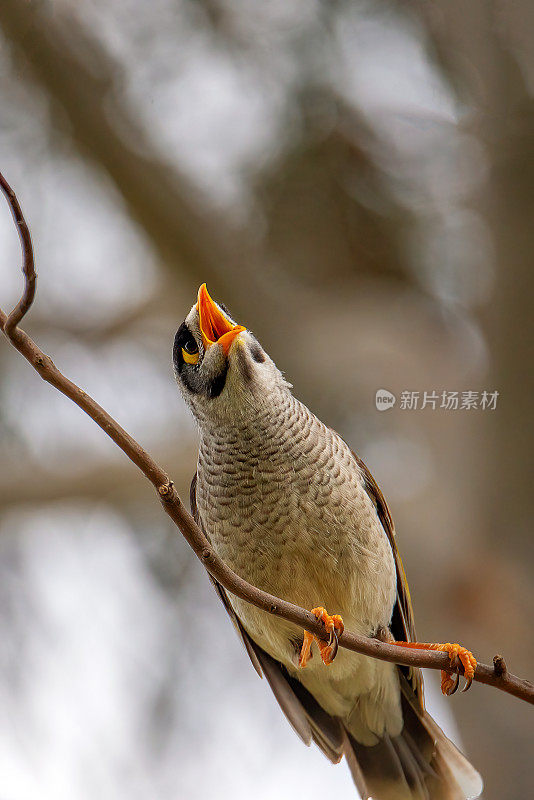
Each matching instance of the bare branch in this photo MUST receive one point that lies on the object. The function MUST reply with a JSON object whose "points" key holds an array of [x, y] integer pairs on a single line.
{"points": [[28, 263], [497, 675]]}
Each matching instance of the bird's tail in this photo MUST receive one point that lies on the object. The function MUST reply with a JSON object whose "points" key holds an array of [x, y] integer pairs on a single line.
{"points": [[420, 764]]}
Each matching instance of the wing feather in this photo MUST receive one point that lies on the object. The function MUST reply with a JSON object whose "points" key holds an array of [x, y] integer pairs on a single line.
{"points": [[402, 621]]}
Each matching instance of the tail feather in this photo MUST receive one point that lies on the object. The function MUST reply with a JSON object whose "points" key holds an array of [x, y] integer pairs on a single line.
{"points": [[444, 785], [383, 771], [419, 764], [423, 763], [465, 775], [414, 769], [430, 739], [354, 766]]}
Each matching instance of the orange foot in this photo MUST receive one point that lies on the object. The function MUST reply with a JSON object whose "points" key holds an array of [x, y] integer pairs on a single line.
{"points": [[449, 684], [334, 626]]}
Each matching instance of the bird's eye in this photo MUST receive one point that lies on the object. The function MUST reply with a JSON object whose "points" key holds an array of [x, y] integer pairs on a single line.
{"points": [[190, 352]]}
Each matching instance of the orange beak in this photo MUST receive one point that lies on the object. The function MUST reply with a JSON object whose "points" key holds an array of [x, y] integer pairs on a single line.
{"points": [[215, 328]]}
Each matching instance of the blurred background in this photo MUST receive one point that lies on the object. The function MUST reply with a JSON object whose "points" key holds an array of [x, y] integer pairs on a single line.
{"points": [[355, 180]]}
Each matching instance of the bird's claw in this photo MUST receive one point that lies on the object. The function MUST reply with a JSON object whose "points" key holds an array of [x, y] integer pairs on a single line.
{"points": [[333, 643], [449, 683], [456, 653], [467, 660], [334, 627]]}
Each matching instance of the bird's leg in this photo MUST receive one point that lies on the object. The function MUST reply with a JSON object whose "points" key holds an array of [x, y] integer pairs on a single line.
{"points": [[334, 627], [449, 684]]}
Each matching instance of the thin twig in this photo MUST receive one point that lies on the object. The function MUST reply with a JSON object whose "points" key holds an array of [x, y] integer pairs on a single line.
{"points": [[43, 364], [28, 261]]}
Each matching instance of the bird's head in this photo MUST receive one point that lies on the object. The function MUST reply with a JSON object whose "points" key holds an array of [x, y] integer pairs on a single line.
{"points": [[221, 368]]}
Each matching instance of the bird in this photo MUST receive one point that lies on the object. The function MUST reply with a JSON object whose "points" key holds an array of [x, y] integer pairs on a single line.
{"points": [[286, 503]]}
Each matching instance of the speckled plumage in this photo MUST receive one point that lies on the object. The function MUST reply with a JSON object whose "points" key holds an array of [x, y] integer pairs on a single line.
{"points": [[291, 509], [286, 507]]}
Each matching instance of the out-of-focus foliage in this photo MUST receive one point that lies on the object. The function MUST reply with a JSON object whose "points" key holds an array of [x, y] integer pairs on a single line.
{"points": [[356, 181]]}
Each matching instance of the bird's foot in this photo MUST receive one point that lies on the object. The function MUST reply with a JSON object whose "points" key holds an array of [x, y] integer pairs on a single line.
{"points": [[334, 627], [449, 683]]}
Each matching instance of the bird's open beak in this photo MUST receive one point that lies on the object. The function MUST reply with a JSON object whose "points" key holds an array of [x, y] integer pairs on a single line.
{"points": [[215, 327]]}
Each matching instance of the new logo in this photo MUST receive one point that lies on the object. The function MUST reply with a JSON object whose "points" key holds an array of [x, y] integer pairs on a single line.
{"points": [[384, 400]]}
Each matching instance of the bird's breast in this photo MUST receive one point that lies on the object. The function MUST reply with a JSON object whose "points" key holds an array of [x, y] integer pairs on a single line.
{"points": [[285, 507]]}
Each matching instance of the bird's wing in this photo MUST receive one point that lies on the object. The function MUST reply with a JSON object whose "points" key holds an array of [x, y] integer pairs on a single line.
{"points": [[402, 621], [305, 715]]}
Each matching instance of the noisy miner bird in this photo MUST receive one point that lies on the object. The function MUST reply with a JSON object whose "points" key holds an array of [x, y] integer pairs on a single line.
{"points": [[290, 508]]}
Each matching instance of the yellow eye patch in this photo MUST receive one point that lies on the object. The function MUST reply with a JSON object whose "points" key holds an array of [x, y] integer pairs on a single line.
{"points": [[189, 358]]}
